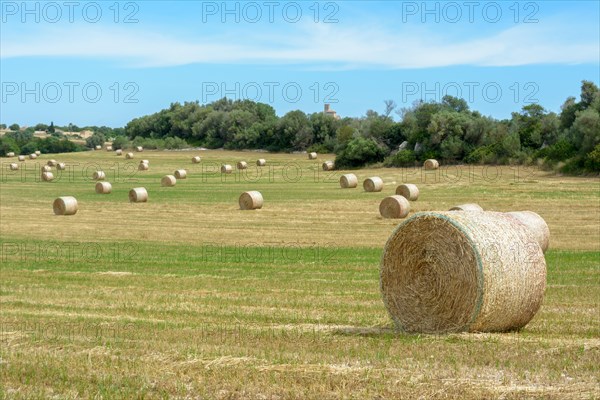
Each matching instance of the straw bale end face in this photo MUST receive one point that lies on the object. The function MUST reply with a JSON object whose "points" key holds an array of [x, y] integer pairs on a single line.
{"points": [[452, 272]]}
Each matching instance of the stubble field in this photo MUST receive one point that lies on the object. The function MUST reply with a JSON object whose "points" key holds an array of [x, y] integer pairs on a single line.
{"points": [[187, 296]]}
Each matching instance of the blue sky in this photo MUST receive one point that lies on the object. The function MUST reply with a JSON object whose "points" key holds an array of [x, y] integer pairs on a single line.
{"points": [[104, 63]]}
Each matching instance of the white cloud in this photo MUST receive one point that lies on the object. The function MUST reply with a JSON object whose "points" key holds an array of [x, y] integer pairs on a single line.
{"points": [[314, 46]]}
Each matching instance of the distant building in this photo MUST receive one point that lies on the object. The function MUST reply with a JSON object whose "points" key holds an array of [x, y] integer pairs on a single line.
{"points": [[328, 111]]}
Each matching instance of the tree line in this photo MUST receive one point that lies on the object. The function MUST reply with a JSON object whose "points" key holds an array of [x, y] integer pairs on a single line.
{"points": [[447, 130]]}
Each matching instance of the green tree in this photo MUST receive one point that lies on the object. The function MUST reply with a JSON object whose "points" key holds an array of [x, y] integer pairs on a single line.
{"points": [[358, 152], [7, 145], [586, 131], [97, 139], [14, 127], [293, 132]]}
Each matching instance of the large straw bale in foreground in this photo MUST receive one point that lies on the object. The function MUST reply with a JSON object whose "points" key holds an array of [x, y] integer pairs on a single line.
{"points": [[458, 271], [251, 200]]}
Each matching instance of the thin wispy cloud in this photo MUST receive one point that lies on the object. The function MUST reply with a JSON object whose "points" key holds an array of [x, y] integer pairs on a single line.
{"points": [[327, 47]]}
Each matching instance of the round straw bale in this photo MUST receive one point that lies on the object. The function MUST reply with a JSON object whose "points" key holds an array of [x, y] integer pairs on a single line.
{"points": [[431, 164], [46, 168], [536, 226], [467, 207], [103, 187], [38, 153], [452, 272], [180, 174], [261, 162], [394, 207], [61, 166], [21, 158], [145, 162], [328, 165], [47, 176], [251, 200], [139, 148], [129, 156], [32, 156], [409, 191], [98, 147], [51, 163], [143, 167], [348, 181], [98, 176], [373, 184], [312, 156], [138, 195], [242, 165], [196, 159], [109, 148], [168, 180], [226, 169], [14, 166], [66, 205], [118, 152], [10, 154]]}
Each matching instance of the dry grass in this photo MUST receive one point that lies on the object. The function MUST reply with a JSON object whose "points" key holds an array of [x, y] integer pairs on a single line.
{"points": [[208, 301]]}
